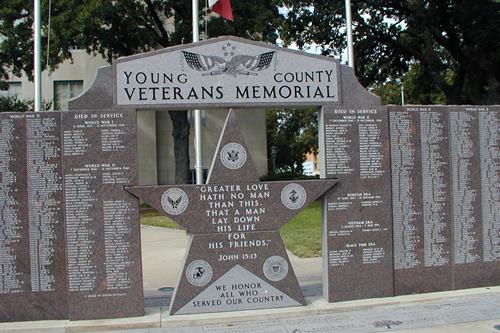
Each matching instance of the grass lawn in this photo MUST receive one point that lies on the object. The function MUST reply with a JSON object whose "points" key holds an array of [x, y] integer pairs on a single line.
{"points": [[302, 235], [152, 217]]}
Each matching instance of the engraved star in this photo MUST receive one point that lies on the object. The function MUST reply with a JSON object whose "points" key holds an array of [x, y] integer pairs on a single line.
{"points": [[234, 216]]}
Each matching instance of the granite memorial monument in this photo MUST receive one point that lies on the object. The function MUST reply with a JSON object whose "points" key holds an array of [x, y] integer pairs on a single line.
{"points": [[416, 209], [446, 197], [236, 259], [69, 237]]}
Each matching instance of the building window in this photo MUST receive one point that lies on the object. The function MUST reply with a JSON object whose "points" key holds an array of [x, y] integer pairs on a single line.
{"points": [[12, 89], [64, 91]]}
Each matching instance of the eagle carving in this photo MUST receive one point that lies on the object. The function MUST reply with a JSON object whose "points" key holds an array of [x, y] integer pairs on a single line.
{"points": [[233, 155], [238, 65], [174, 203]]}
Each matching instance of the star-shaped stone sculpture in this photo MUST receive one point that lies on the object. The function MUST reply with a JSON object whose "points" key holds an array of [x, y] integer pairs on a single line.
{"points": [[235, 259]]}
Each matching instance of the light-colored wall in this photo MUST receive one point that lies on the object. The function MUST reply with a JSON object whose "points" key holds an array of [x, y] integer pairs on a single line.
{"points": [[146, 147], [253, 127], [82, 67], [164, 148]]}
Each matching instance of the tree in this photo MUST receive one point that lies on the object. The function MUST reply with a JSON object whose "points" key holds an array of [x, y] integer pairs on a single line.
{"points": [[454, 43], [417, 89], [14, 104], [294, 134], [122, 28]]}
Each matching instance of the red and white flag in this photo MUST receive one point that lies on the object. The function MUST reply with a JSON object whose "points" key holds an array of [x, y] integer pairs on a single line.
{"points": [[222, 7]]}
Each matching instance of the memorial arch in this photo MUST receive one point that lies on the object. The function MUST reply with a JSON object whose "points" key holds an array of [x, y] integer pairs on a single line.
{"points": [[415, 209], [272, 86], [230, 72]]}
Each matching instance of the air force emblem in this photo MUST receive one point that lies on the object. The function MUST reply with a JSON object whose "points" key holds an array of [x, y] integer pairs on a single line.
{"points": [[174, 201]]}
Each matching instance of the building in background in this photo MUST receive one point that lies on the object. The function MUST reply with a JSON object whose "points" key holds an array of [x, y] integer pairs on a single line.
{"points": [[69, 80], [310, 166]]}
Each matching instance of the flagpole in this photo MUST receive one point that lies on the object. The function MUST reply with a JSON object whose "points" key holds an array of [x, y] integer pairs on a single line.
{"points": [[350, 46], [402, 93], [197, 113], [37, 54], [196, 20]]}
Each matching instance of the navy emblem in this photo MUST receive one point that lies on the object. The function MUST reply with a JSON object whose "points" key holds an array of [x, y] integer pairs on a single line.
{"points": [[293, 196]]}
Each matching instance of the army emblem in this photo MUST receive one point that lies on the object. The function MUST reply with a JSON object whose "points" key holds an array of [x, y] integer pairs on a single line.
{"points": [[233, 155]]}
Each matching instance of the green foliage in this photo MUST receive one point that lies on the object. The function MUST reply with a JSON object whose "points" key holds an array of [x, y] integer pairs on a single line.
{"points": [[15, 37], [389, 92], [417, 89], [13, 104], [455, 43], [116, 28], [294, 133]]}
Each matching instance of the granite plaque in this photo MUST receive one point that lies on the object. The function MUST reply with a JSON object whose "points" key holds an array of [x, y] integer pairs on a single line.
{"points": [[225, 71], [421, 195], [357, 233], [102, 229], [446, 202], [475, 186], [32, 244], [236, 259], [69, 232]]}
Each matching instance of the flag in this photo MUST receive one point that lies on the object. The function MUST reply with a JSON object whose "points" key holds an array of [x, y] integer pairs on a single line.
{"points": [[201, 62], [222, 7]]}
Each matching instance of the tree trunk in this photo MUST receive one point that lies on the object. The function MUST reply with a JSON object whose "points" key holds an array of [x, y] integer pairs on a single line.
{"points": [[493, 96], [455, 93], [180, 133]]}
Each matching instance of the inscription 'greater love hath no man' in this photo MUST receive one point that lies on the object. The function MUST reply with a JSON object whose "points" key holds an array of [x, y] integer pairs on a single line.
{"points": [[235, 207]]}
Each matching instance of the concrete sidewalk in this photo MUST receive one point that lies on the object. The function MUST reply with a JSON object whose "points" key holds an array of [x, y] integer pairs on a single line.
{"points": [[473, 310]]}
